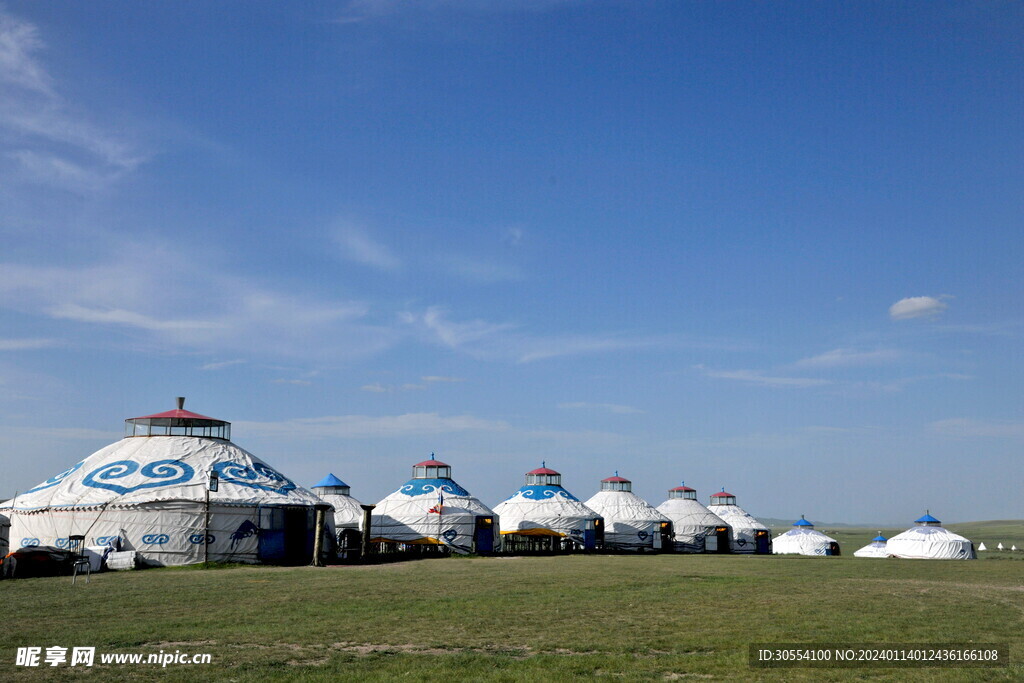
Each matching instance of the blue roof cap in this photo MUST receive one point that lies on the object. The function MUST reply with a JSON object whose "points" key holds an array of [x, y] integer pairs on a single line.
{"points": [[927, 518], [880, 537], [802, 522], [329, 480]]}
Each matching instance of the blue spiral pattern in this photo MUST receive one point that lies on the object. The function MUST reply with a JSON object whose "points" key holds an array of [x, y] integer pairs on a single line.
{"points": [[419, 487], [56, 479], [164, 472], [538, 492], [155, 539], [29, 542], [197, 539], [108, 540], [259, 476]]}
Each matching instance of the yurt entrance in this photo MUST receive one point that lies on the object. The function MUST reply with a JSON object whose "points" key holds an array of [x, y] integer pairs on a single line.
{"points": [[763, 541], [718, 541], [286, 534], [665, 536], [483, 536]]}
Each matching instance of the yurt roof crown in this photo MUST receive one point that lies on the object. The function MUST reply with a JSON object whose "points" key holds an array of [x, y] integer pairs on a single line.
{"points": [[616, 483], [542, 476], [178, 422], [683, 491], [431, 469], [723, 498], [927, 520], [803, 523], [332, 485]]}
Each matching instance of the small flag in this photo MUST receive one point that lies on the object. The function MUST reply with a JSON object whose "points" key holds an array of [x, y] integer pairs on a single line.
{"points": [[440, 503]]}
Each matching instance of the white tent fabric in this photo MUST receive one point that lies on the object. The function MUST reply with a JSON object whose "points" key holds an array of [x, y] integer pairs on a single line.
{"points": [[405, 516], [802, 542], [931, 543], [347, 511], [873, 549], [1000, 546], [545, 510], [744, 527], [692, 523], [630, 522], [148, 494]]}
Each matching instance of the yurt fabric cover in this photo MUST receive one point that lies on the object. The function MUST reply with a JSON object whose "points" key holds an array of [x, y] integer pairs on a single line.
{"points": [[544, 510], [691, 522], [630, 522], [148, 494], [930, 543], [405, 516], [744, 527], [802, 542], [877, 548]]}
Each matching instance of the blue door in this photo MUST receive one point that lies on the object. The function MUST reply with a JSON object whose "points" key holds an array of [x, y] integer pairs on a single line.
{"points": [[271, 534], [483, 539]]}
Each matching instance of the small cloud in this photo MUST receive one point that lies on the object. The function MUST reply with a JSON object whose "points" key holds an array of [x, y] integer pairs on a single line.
{"points": [[26, 344], [118, 316], [356, 245], [916, 307], [610, 407], [849, 357], [221, 365], [965, 427], [757, 377], [440, 378], [513, 237], [296, 382], [375, 388]]}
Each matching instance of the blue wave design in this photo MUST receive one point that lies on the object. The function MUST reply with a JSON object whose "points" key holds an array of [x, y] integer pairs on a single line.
{"points": [[108, 540], [197, 539], [29, 542], [155, 539], [539, 492], [165, 472], [419, 487], [62, 542], [259, 476], [56, 479]]}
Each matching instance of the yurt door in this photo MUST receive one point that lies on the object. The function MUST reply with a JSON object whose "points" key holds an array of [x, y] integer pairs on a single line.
{"points": [[271, 523], [483, 537], [763, 541]]}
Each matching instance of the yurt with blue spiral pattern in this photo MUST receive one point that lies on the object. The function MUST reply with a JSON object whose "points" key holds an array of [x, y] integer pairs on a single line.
{"points": [[176, 491]]}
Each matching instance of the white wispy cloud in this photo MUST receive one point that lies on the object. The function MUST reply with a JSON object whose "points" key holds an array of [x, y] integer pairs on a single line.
{"points": [[117, 316], [27, 344], [849, 357], [440, 378], [609, 407], [475, 270], [360, 426], [222, 364], [758, 377], [966, 427], [355, 244], [294, 382], [917, 307], [375, 388]]}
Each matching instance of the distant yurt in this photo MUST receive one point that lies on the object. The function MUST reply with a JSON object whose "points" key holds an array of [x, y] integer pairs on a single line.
{"points": [[999, 546], [543, 516], [432, 513], [877, 548], [927, 540], [982, 547], [748, 534], [630, 522], [696, 528], [804, 539], [175, 490], [347, 519]]}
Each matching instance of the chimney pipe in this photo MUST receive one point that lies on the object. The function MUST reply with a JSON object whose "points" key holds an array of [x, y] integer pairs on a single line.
{"points": [[181, 402]]}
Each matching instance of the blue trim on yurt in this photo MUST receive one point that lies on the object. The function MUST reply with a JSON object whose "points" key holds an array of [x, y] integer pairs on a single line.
{"points": [[880, 537], [330, 480], [927, 518]]}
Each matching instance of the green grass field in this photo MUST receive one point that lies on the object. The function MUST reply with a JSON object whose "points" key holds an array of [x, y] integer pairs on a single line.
{"points": [[509, 619]]}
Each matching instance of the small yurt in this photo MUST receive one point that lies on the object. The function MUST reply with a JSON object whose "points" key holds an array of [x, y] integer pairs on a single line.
{"points": [[982, 547], [696, 528], [346, 522], [927, 540], [748, 534], [543, 516], [804, 539], [630, 522], [874, 549], [432, 513], [176, 491]]}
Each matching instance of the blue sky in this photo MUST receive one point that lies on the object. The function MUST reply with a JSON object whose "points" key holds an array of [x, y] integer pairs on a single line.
{"points": [[771, 247]]}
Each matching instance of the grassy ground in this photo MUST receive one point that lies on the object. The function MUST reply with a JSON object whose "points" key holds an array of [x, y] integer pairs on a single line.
{"points": [[545, 618]]}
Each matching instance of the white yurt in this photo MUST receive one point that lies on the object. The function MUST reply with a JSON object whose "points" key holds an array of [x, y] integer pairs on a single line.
{"points": [[927, 540], [630, 522], [346, 521], [982, 547], [176, 491], [543, 516], [804, 539], [748, 534], [431, 512], [696, 528], [999, 546], [877, 548]]}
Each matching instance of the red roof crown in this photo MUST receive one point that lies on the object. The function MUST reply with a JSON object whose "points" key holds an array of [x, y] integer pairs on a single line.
{"points": [[683, 488], [177, 413], [543, 470], [431, 463], [722, 494], [616, 478]]}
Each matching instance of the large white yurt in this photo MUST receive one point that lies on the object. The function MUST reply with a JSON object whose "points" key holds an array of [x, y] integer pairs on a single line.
{"points": [[630, 522], [804, 539], [748, 534], [874, 549], [177, 491], [696, 528], [346, 522], [543, 516], [927, 540], [432, 511]]}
